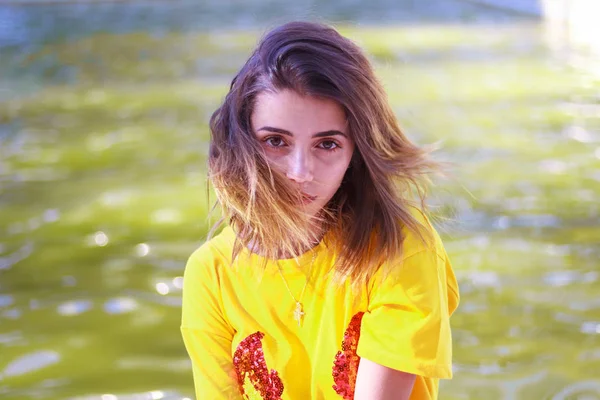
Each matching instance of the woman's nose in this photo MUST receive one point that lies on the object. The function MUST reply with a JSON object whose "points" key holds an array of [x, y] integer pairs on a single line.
{"points": [[299, 167]]}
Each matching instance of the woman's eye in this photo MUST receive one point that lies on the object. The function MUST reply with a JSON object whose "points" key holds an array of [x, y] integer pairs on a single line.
{"points": [[274, 141], [329, 145]]}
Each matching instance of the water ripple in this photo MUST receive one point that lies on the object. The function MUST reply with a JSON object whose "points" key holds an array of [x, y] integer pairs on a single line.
{"points": [[564, 278], [152, 395], [10, 337], [6, 300], [22, 253], [590, 327], [167, 300], [74, 307], [589, 390], [13, 313], [120, 305], [31, 362]]}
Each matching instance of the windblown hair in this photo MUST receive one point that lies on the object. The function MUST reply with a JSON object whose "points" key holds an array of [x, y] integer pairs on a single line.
{"points": [[387, 176]]}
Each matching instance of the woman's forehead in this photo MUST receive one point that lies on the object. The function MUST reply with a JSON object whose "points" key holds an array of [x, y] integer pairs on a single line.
{"points": [[292, 111]]}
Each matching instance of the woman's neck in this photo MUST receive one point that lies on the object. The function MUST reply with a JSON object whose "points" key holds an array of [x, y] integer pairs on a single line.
{"points": [[315, 238]]}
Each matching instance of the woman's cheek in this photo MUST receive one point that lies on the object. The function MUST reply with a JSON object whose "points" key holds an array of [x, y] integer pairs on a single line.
{"points": [[276, 159]]}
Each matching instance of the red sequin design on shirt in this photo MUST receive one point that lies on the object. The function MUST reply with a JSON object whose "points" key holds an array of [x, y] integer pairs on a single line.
{"points": [[345, 365], [249, 362]]}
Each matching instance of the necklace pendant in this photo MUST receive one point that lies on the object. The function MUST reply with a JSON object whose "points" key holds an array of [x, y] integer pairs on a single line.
{"points": [[298, 313]]}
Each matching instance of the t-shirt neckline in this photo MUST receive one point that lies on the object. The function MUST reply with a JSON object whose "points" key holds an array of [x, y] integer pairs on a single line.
{"points": [[293, 263]]}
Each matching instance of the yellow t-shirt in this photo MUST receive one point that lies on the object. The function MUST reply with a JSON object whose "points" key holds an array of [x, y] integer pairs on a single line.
{"points": [[239, 329]]}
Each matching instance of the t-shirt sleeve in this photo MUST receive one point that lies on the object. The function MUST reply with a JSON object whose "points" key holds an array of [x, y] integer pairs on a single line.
{"points": [[206, 333], [407, 323]]}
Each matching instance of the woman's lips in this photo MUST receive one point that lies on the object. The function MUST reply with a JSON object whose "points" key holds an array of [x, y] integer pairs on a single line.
{"points": [[307, 198]]}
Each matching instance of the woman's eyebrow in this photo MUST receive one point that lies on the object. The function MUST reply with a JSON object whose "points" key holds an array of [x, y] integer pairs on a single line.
{"points": [[331, 132]]}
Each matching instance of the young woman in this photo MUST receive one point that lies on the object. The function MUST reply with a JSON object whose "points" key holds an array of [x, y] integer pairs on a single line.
{"points": [[328, 281]]}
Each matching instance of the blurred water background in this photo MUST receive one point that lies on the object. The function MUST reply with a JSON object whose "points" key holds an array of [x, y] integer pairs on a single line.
{"points": [[103, 137]]}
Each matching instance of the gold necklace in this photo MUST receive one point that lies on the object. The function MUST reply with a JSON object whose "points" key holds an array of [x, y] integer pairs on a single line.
{"points": [[299, 310]]}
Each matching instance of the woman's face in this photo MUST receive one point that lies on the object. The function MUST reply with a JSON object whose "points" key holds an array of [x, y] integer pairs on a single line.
{"points": [[307, 139]]}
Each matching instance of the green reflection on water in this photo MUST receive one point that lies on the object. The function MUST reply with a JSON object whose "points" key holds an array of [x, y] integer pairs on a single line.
{"points": [[103, 196]]}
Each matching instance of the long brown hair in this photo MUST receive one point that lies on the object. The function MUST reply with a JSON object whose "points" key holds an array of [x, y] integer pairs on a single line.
{"points": [[387, 174]]}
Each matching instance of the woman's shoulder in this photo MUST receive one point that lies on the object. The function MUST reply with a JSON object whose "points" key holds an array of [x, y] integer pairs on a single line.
{"points": [[422, 267], [424, 238], [216, 250]]}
